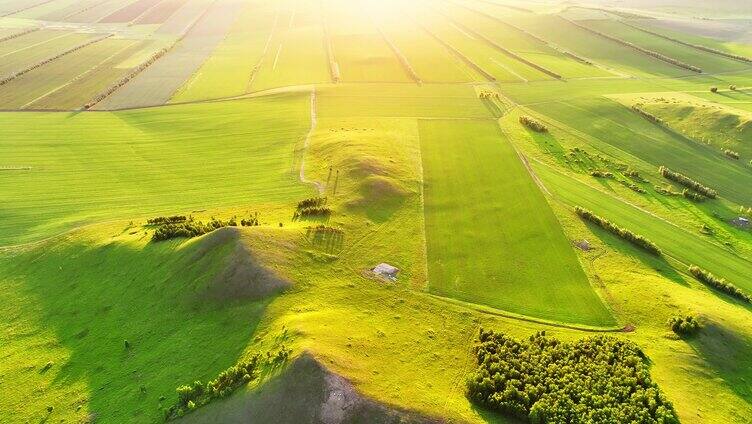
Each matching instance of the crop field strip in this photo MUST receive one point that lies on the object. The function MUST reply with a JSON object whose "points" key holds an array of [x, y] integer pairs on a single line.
{"points": [[296, 53], [97, 11], [528, 46], [130, 12], [598, 49], [431, 60], [508, 274], [18, 6], [361, 52], [232, 67], [156, 83], [10, 77], [160, 12], [74, 93], [37, 83], [488, 57], [709, 63]]}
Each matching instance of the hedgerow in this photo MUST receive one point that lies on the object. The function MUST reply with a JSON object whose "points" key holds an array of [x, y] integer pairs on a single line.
{"points": [[719, 284], [533, 124], [696, 46], [627, 235], [684, 325], [647, 115], [197, 394], [652, 53], [542, 380], [687, 182], [599, 173], [19, 34]]}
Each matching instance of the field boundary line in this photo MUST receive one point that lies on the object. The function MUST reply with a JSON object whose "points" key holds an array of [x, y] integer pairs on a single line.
{"points": [[306, 142], [502, 49], [522, 317], [510, 70], [257, 66], [331, 56], [406, 66], [469, 62], [36, 44]]}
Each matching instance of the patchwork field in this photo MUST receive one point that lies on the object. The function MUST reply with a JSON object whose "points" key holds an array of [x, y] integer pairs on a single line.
{"points": [[348, 211]]}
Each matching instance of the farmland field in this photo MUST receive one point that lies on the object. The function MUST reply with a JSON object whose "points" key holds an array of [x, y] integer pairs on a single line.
{"points": [[510, 223], [375, 211]]}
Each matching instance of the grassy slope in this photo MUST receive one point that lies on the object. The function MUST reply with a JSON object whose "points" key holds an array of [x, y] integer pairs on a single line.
{"points": [[505, 250], [102, 166]]}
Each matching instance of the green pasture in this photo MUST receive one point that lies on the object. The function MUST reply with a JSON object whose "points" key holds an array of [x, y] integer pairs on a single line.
{"points": [[87, 167], [686, 245], [491, 237], [616, 125]]}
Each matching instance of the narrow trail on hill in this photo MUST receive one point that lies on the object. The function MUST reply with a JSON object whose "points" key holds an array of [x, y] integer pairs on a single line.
{"points": [[314, 120]]}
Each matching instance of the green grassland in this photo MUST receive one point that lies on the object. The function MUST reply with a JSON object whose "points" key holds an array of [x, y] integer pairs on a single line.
{"points": [[505, 217], [88, 167], [99, 323]]}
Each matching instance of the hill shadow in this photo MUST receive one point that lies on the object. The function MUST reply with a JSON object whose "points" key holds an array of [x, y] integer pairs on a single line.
{"points": [[133, 323], [727, 353]]}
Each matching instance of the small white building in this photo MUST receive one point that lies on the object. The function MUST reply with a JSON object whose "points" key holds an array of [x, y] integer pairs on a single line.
{"points": [[385, 270]]}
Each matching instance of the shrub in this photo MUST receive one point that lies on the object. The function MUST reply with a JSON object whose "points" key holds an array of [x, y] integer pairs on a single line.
{"points": [[609, 226], [599, 173], [161, 220], [533, 124], [687, 182], [684, 325], [732, 87], [730, 153], [713, 89], [541, 380], [719, 284], [691, 195]]}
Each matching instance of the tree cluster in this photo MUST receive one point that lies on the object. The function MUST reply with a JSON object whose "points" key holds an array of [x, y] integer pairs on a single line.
{"points": [[533, 124], [543, 380], [488, 94], [684, 325], [719, 284], [161, 220], [189, 228], [627, 235], [687, 182], [312, 202], [313, 207], [599, 173], [730, 153], [713, 89]]}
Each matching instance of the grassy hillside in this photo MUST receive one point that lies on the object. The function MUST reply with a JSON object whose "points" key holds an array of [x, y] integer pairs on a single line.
{"points": [[401, 121]]}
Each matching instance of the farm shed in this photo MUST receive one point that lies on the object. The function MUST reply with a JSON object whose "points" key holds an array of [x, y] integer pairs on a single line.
{"points": [[385, 270]]}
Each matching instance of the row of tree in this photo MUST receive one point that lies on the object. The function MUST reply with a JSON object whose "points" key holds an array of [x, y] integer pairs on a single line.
{"points": [[544, 380], [647, 115], [655, 54], [609, 226], [311, 202], [687, 182], [730, 153], [533, 124], [161, 220], [719, 283]]}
